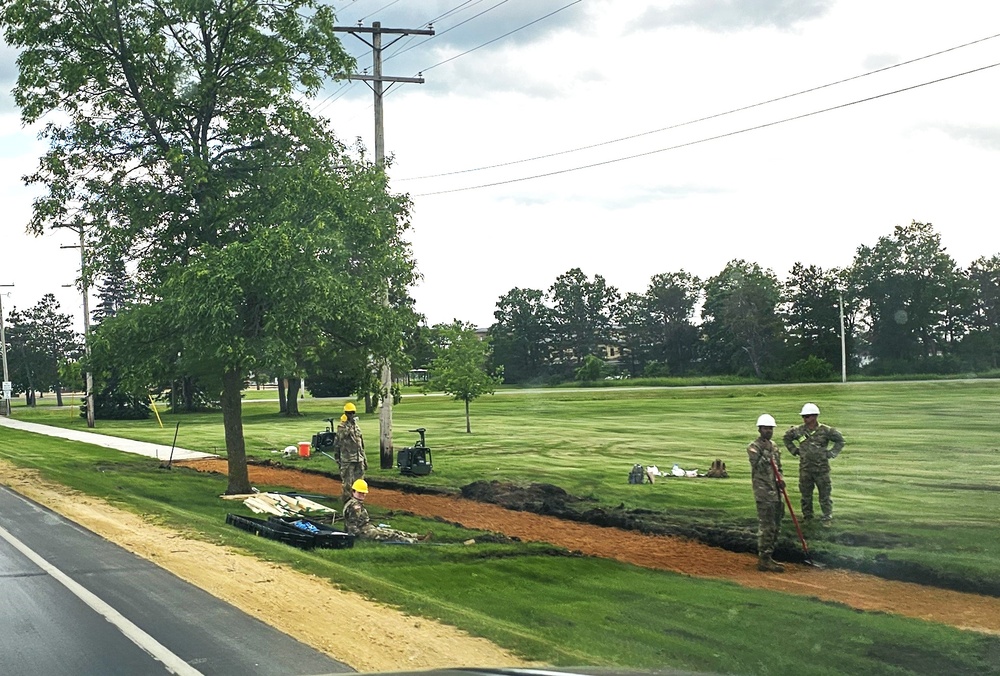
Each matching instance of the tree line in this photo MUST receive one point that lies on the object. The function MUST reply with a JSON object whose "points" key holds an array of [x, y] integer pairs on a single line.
{"points": [[907, 308]]}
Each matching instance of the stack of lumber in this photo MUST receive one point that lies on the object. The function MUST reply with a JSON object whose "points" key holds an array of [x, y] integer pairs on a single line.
{"points": [[279, 504]]}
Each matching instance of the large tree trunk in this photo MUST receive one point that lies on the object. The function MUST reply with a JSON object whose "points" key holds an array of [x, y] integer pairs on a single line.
{"points": [[369, 403], [292, 403], [282, 401], [232, 421], [468, 424], [59, 401]]}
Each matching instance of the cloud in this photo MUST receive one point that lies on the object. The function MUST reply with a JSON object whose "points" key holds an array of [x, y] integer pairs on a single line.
{"points": [[878, 61], [723, 16], [983, 137]]}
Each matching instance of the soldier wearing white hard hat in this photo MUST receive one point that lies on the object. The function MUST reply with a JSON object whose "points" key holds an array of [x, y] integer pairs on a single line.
{"points": [[815, 445], [765, 471]]}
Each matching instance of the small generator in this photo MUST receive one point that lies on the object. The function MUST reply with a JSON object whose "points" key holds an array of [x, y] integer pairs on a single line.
{"points": [[415, 460]]}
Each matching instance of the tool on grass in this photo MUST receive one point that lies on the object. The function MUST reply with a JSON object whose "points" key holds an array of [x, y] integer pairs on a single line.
{"points": [[174, 443], [798, 529]]}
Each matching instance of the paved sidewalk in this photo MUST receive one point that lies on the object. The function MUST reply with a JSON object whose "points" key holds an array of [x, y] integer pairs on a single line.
{"points": [[118, 443]]}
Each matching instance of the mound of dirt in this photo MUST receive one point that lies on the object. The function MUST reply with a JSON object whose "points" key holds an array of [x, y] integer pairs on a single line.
{"points": [[536, 498]]}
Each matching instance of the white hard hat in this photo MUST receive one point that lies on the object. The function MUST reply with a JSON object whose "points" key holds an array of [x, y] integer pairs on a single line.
{"points": [[766, 420], [810, 409]]}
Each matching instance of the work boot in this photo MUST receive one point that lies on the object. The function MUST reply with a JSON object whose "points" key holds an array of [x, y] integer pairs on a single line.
{"points": [[769, 565], [827, 519]]}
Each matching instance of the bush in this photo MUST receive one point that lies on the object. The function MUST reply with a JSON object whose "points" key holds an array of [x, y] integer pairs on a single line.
{"points": [[332, 385], [811, 370]]}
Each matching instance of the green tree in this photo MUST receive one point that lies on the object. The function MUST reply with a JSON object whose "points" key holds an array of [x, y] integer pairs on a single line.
{"points": [[915, 300], [632, 321], [583, 313], [671, 299], [522, 335], [41, 341], [743, 331], [811, 311], [460, 366], [981, 348], [184, 144], [114, 291]]}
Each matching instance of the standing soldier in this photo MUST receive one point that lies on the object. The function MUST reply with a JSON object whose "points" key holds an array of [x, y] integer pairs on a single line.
{"points": [[767, 485], [814, 454], [350, 450]]}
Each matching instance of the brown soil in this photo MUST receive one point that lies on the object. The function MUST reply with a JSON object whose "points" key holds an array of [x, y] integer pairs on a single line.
{"points": [[302, 606], [857, 590], [305, 607]]}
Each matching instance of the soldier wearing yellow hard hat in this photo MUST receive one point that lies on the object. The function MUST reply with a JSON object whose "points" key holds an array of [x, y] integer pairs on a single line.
{"points": [[351, 448], [358, 523]]}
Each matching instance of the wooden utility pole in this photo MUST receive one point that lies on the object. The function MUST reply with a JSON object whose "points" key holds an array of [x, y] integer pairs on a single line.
{"points": [[376, 79], [84, 287], [5, 402]]}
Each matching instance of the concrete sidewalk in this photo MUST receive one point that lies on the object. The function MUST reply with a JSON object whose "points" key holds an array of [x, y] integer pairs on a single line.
{"points": [[118, 443]]}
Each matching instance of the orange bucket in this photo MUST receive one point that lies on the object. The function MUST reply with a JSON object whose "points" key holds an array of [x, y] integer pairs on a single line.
{"points": [[303, 449]]}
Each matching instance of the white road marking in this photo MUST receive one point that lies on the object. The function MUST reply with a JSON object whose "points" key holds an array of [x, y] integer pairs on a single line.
{"points": [[154, 648]]}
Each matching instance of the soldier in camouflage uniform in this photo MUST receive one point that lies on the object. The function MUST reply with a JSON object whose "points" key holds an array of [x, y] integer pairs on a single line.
{"points": [[351, 451], [766, 492], [358, 524], [815, 453]]}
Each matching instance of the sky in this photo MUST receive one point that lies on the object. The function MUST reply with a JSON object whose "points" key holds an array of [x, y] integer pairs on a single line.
{"points": [[672, 135]]}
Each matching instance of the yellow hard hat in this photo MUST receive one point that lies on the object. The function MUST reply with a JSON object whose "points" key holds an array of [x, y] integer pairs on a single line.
{"points": [[361, 486], [350, 407], [343, 418]]}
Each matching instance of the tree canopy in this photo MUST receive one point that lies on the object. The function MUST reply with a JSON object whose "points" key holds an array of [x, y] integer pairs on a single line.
{"points": [[184, 147]]}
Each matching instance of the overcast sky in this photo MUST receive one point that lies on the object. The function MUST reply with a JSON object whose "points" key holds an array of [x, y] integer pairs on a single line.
{"points": [[744, 184]]}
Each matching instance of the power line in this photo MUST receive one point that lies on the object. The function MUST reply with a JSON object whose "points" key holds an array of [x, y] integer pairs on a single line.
{"points": [[346, 87], [710, 138], [700, 119], [378, 10], [460, 23], [531, 23]]}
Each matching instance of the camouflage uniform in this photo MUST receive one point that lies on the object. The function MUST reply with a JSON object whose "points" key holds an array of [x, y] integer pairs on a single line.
{"points": [[770, 509], [351, 451], [814, 464], [358, 524]]}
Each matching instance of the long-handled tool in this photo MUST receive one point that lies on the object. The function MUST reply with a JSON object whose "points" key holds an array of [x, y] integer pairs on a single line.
{"points": [[174, 443], [798, 529]]}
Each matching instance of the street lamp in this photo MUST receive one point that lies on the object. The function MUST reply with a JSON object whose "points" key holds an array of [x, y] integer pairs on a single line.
{"points": [[7, 390]]}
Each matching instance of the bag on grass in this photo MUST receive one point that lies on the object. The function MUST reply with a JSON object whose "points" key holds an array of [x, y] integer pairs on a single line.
{"points": [[637, 475]]}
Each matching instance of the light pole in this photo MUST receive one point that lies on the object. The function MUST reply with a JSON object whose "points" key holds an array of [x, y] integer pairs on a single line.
{"points": [[5, 404], [86, 320]]}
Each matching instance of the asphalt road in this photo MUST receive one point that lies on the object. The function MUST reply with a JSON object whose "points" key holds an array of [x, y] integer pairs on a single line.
{"points": [[73, 603]]}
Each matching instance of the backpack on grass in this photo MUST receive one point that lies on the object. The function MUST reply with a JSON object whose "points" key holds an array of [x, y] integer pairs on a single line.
{"points": [[637, 475]]}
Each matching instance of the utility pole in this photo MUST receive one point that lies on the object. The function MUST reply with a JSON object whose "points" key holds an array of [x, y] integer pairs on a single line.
{"points": [[86, 319], [843, 344], [376, 79], [7, 390]]}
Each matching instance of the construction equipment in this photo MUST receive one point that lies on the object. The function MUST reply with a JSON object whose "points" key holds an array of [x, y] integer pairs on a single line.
{"points": [[326, 440], [415, 460], [798, 529]]}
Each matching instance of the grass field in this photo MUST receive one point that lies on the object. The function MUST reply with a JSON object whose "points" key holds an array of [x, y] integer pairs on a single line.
{"points": [[917, 484]]}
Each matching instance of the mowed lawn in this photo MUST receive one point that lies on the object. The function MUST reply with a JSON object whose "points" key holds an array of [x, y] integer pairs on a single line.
{"points": [[916, 483]]}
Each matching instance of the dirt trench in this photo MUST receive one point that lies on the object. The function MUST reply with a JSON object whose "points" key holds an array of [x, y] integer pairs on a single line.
{"points": [[663, 552]]}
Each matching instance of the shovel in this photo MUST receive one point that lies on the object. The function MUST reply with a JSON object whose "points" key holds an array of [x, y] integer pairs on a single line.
{"points": [[798, 529]]}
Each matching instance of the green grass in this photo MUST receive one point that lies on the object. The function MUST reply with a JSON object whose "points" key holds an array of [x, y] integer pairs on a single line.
{"points": [[917, 484]]}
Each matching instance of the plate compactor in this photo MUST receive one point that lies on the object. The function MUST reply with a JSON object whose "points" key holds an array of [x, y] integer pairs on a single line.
{"points": [[415, 460], [325, 441]]}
